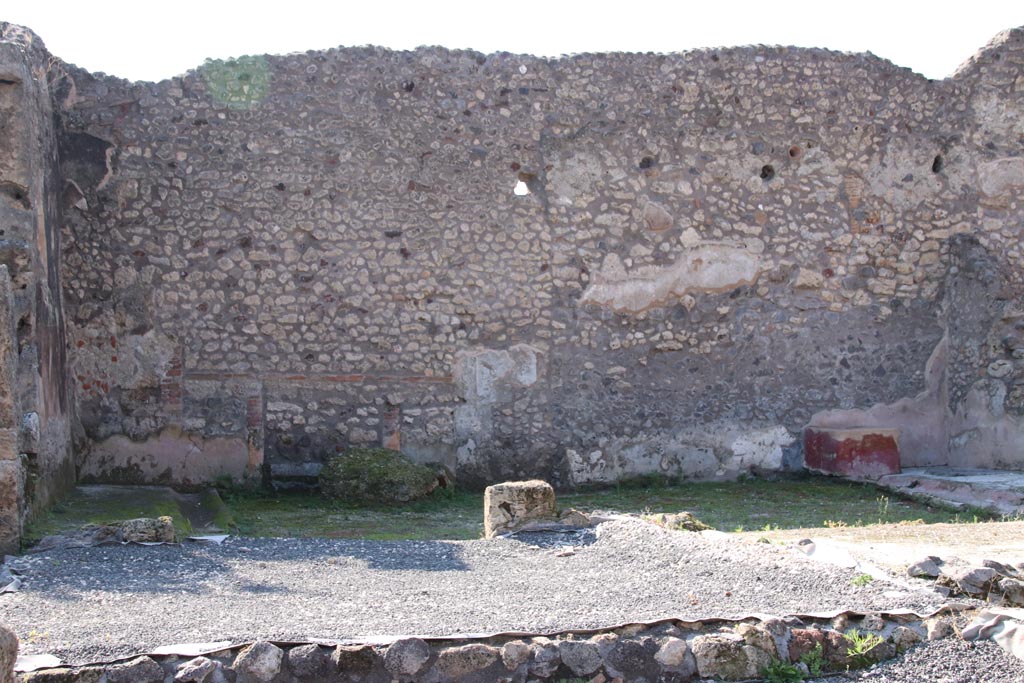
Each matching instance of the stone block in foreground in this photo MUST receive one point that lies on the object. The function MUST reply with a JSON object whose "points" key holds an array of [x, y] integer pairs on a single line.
{"points": [[858, 453], [513, 505], [8, 654]]}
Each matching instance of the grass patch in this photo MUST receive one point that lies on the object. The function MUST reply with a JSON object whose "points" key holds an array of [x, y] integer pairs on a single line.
{"points": [[752, 504], [104, 505], [440, 516], [758, 504]]}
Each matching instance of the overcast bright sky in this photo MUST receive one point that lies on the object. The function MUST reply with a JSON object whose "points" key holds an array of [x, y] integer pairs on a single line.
{"points": [[146, 40]]}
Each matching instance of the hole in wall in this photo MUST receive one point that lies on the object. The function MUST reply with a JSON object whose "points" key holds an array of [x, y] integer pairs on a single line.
{"points": [[647, 162], [17, 193], [24, 331], [522, 187], [795, 152], [767, 172], [938, 163]]}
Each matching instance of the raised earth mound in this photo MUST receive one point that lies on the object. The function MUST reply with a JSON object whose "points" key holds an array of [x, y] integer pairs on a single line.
{"points": [[376, 475]]}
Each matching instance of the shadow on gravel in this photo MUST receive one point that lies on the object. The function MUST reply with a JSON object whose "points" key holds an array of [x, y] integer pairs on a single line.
{"points": [[244, 565], [433, 556]]}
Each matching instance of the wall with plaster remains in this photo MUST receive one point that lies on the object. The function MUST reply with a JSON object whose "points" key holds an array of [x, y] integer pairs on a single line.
{"points": [[271, 259], [36, 413]]}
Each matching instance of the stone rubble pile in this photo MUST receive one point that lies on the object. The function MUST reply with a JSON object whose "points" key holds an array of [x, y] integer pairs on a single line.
{"points": [[668, 651], [996, 582], [141, 530]]}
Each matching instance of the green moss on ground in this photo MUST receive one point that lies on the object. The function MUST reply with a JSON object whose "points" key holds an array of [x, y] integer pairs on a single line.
{"points": [[376, 475], [728, 506], [107, 504]]}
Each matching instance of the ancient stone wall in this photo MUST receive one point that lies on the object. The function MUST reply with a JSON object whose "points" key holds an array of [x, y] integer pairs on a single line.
{"points": [[582, 269], [36, 414]]}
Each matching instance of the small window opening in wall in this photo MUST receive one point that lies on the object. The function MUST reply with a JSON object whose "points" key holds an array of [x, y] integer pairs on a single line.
{"points": [[938, 163], [767, 172], [522, 187]]}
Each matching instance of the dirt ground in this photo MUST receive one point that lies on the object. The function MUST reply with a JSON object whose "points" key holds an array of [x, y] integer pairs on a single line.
{"points": [[895, 546]]}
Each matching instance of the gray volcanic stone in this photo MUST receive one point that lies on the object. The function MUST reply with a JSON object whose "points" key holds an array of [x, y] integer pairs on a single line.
{"points": [[197, 670], [723, 656], [138, 670], [514, 654], [675, 655], [8, 654], [1012, 592], [148, 530], [357, 660], [406, 657], [927, 568], [260, 661], [546, 657], [456, 662], [582, 657], [309, 661]]}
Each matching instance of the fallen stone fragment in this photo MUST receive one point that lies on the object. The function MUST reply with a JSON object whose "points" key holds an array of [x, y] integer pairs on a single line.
{"points": [[1011, 592], [904, 638], [148, 530], [574, 518], [679, 521], [928, 568], [938, 628], [972, 581], [513, 504]]}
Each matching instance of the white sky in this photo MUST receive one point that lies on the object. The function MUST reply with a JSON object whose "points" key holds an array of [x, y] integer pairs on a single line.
{"points": [[157, 39]]}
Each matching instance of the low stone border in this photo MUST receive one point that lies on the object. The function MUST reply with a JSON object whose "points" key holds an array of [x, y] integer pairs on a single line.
{"points": [[670, 651]]}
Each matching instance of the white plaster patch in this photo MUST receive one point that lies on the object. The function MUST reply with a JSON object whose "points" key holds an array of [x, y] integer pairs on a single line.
{"points": [[761, 448], [999, 176], [708, 268]]}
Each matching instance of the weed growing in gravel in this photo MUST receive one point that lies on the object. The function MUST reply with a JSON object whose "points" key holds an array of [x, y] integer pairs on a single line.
{"points": [[782, 672], [858, 652], [861, 580], [814, 660]]}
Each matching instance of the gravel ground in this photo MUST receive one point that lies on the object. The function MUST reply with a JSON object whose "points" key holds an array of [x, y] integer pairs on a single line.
{"points": [[92, 604], [944, 661]]}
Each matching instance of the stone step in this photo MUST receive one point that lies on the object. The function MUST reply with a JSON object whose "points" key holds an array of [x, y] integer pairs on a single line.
{"points": [[999, 491]]}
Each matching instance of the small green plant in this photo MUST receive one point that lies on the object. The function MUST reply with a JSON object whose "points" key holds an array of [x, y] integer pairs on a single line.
{"points": [[782, 672], [814, 660], [883, 509], [858, 652], [861, 580]]}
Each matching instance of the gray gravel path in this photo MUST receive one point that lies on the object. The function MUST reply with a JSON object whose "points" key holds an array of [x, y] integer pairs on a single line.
{"points": [[944, 661], [93, 604]]}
